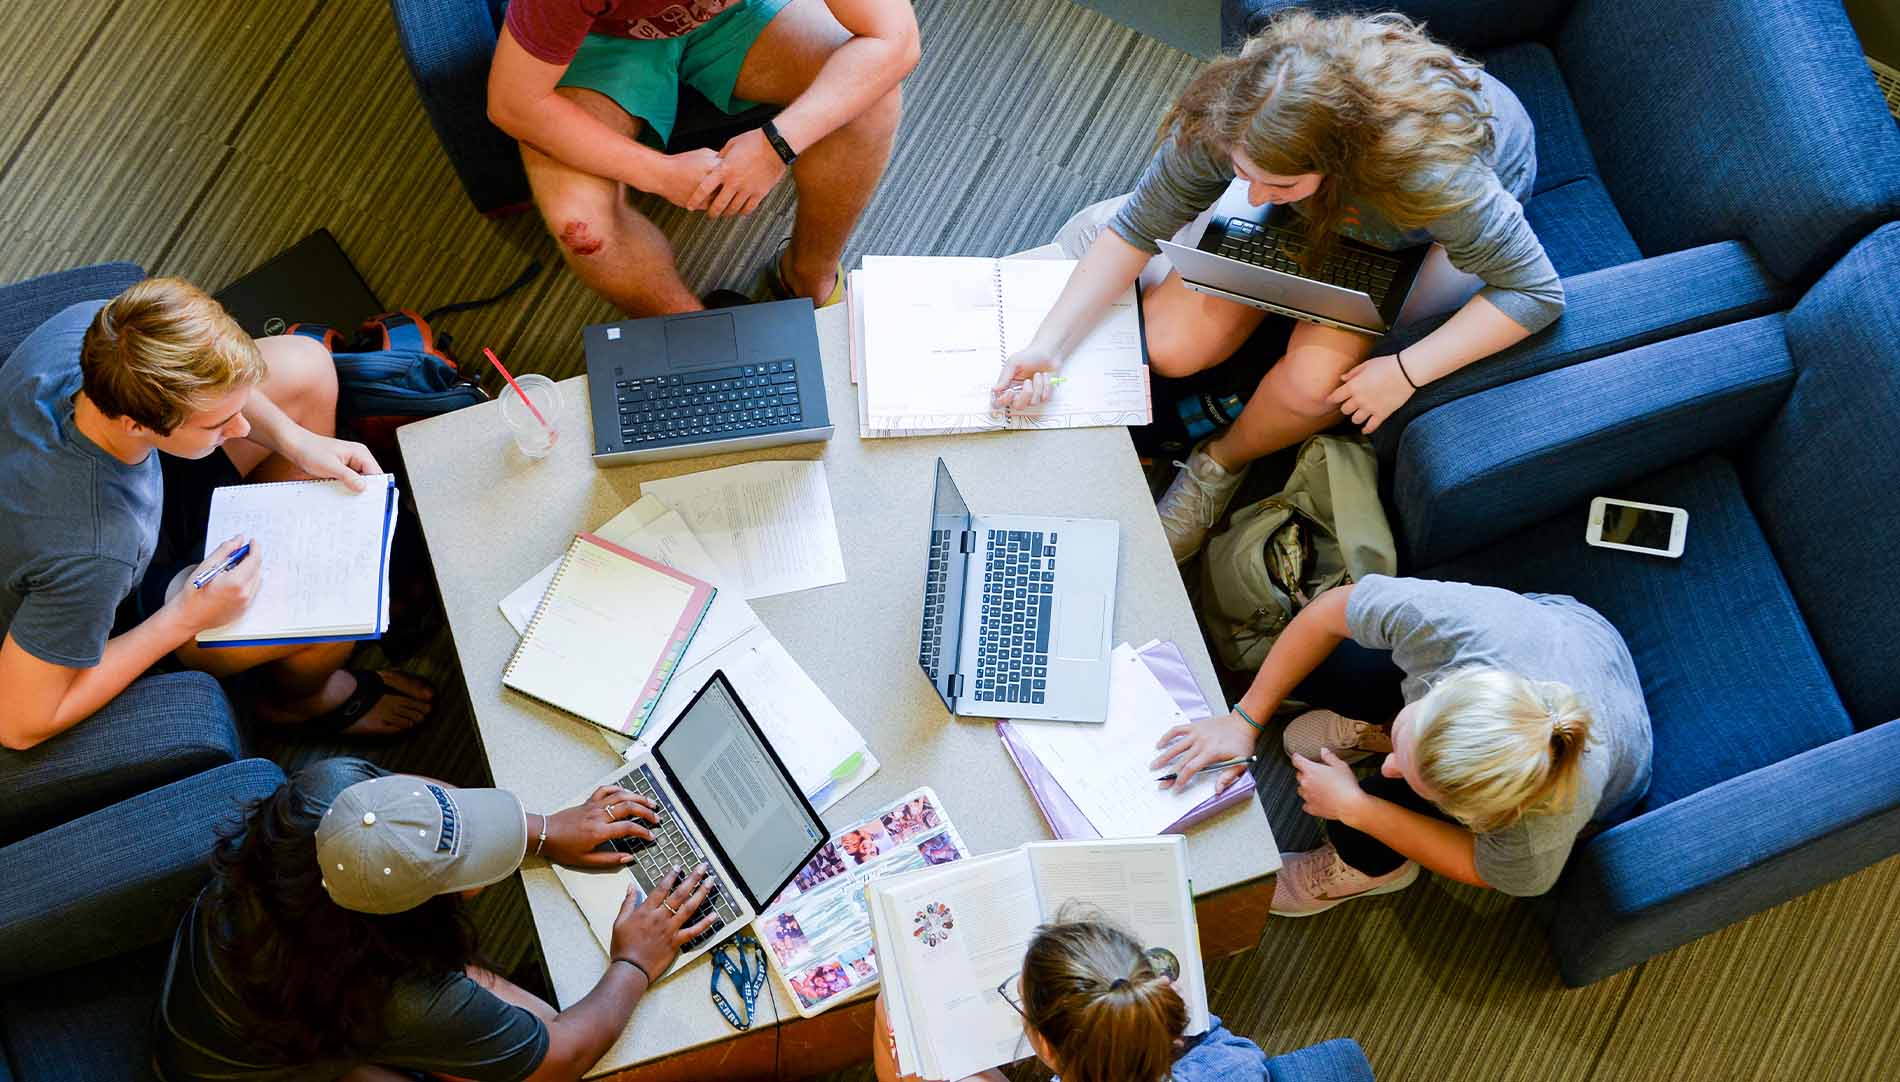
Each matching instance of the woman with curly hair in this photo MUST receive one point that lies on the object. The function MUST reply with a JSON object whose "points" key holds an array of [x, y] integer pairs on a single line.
{"points": [[331, 944], [1368, 128]]}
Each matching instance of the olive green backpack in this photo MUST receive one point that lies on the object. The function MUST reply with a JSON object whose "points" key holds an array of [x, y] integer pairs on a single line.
{"points": [[1325, 528]]}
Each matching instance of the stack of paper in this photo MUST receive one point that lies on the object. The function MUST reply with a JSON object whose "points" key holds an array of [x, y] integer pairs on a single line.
{"points": [[929, 335], [1104, 770], [825, 753]]}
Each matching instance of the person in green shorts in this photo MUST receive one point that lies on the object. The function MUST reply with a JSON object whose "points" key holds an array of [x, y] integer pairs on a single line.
{"points": [[591, 88]]}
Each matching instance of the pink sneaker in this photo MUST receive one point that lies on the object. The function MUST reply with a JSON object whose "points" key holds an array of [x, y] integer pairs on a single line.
{"points": [[1350, 740], [1317, 880]]}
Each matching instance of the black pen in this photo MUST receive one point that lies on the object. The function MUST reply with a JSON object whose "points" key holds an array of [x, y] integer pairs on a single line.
{"points": [[1248, 761]]}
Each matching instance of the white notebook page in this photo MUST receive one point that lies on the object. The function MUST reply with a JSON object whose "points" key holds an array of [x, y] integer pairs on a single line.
{"points": [[322, 550], [1140, 886], [601, 627]]}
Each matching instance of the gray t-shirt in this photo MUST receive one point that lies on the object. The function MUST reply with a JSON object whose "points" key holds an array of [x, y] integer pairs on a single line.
{"points": [[1434, 628], [80, 524], [442, 1023], [1488, 238]]}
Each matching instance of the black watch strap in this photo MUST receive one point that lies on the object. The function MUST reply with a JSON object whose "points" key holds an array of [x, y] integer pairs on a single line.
{"points": [[785, 151]]}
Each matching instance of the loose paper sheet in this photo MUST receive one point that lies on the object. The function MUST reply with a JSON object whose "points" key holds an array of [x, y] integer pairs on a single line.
{"points": [[769, 526]]}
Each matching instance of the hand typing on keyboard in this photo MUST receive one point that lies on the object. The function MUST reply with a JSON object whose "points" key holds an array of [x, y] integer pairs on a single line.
{"points": [[581, 836], [649, 932]]}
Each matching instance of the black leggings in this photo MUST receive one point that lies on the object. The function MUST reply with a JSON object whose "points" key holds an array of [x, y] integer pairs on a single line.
{"points": [[1365, 853]]}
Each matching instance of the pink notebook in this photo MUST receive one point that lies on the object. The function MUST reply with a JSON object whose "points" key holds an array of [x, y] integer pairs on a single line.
{"points": [[1064, 818]]}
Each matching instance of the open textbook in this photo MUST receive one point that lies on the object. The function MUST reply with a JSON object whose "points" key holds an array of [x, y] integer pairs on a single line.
{"points": [[819, 929], [325, 554], [931, 333], [948, 937]]}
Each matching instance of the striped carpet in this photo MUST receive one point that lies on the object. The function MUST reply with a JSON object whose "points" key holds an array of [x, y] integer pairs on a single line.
{"points": [[201, 137]]}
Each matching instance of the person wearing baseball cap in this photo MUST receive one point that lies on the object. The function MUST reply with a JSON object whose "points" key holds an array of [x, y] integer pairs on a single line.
{"points": [[331, 942]]}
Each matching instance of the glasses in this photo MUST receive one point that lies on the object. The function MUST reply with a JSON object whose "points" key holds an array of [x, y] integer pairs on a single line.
{"points": [[1160, 959]]}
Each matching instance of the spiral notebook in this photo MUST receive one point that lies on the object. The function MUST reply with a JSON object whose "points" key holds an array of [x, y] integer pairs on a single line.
{"points": [[931, 333], [608, 635], [324, 556]]}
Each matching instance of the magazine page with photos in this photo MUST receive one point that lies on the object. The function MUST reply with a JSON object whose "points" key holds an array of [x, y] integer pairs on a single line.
{"points": [[818, 931]]}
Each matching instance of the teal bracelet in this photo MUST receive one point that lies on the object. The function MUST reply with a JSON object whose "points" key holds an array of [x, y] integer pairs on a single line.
{"points": [[1244, 716]]}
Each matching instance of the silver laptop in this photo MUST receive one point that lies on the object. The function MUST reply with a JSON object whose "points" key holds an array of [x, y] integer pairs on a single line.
{"points": [[725, 799], [1018, 611], [1253, 256]]}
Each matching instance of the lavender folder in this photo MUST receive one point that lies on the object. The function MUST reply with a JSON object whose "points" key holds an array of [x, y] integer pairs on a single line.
{"points": [[1064, 818]]}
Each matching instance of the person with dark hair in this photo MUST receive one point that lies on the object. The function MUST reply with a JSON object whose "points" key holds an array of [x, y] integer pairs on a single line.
{"points": [[1097, 1007], [331, 941]]}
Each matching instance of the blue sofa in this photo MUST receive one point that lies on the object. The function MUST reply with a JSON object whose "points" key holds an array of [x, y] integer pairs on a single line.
{"points": [[1693, 170], [449, 44], [1765, 651], [105, 830]]}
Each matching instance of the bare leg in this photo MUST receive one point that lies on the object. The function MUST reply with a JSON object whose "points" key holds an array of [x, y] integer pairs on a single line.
{"points": [[1290, 403], [1189, 332], [607, 244], [301, 381], [836, 176]]}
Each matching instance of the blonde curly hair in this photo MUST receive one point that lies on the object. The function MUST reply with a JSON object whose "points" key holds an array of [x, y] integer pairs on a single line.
{"points": [[1383, 112]]}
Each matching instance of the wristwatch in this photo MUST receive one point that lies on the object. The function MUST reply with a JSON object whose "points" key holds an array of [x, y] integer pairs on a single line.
{"points": [[772, 136]]}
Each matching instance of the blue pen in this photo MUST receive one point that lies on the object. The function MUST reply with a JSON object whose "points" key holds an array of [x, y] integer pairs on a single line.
{"points": [[231, 561]]}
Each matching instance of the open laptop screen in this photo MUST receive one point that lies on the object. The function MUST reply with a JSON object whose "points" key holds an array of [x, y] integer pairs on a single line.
{"points": [[748, 806], [943, 586]]}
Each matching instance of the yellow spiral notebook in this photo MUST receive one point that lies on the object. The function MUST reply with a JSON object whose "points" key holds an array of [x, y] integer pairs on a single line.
{"points": [[608, 635]]}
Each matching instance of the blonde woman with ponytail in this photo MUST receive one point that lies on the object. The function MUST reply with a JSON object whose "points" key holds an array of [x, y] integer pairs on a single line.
{"points": [[1366, 127], [1097, 1007], [1524, 726]]}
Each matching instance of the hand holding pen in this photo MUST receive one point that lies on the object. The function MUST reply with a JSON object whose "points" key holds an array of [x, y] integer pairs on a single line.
{"points": [[221, 587], [1027, 380]]}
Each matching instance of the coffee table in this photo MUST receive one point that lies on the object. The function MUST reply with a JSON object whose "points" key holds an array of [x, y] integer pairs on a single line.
{"points": [[493, 517]]}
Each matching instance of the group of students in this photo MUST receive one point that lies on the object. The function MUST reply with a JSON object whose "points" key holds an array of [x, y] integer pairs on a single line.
{"points": [[330, 942]]}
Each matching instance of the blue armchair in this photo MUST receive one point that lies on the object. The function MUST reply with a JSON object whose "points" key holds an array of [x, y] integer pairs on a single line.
{"points": [[449, 44], [1765, 650], [1693, 170]]}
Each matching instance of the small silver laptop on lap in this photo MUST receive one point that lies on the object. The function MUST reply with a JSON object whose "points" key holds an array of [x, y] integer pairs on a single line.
{"points": [[1253, 256], [1018, 611]]}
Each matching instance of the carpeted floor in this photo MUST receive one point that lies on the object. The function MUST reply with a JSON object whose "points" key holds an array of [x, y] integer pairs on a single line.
{"points": [[200, 137]]}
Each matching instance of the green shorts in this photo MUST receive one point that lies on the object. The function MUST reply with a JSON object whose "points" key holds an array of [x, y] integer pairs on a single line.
{"points": [[644, 77]]}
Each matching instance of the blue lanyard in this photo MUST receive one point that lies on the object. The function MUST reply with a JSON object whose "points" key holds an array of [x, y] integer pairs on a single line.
{"points": [[747, 976]]}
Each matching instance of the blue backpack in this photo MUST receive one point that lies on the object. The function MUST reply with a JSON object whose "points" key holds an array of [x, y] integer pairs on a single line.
{"points": [[393, 372]]}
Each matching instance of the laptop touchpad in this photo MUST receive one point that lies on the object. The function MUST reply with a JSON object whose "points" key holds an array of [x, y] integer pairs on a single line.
{"points": [[1079, 626]]}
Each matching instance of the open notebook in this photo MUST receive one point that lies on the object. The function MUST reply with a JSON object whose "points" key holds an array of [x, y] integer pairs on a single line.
{"points": [[325, 554], [948, 937], [930, 334], [610, 617]]}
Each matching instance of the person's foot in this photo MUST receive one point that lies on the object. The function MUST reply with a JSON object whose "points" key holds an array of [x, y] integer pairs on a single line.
{"points": [[1350, 740], [354, 703], [1317, 880], [1195, 500], [778, 282]]}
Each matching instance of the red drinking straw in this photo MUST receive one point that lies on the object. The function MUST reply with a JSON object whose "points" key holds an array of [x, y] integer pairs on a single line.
{"points": [[525, 400]]}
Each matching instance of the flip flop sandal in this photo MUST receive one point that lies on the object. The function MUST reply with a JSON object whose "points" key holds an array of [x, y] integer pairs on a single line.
{"points": [[772, 280], [370, 687]]}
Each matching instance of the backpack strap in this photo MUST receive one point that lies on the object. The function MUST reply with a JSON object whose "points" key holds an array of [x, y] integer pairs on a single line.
{"points": [[325, 336], [401, 330]]}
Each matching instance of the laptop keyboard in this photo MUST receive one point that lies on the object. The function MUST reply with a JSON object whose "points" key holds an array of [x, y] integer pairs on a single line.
{"points": [[672, 848], [715, 403], [1281, 249], [1012, 654], [935, 581]]}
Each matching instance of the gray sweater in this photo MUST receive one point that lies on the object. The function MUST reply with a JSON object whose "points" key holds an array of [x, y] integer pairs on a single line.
{"points": [[1488, 238]]}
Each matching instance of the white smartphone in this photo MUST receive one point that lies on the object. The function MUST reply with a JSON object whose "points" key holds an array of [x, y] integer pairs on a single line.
{"points": [[1637, 527]]}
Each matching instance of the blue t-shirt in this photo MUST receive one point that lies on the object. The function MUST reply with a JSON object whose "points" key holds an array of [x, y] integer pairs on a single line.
{"points": [[81, 525]]}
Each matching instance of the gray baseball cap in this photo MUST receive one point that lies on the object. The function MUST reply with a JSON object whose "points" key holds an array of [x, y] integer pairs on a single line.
{"points": [[389, 844]]}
